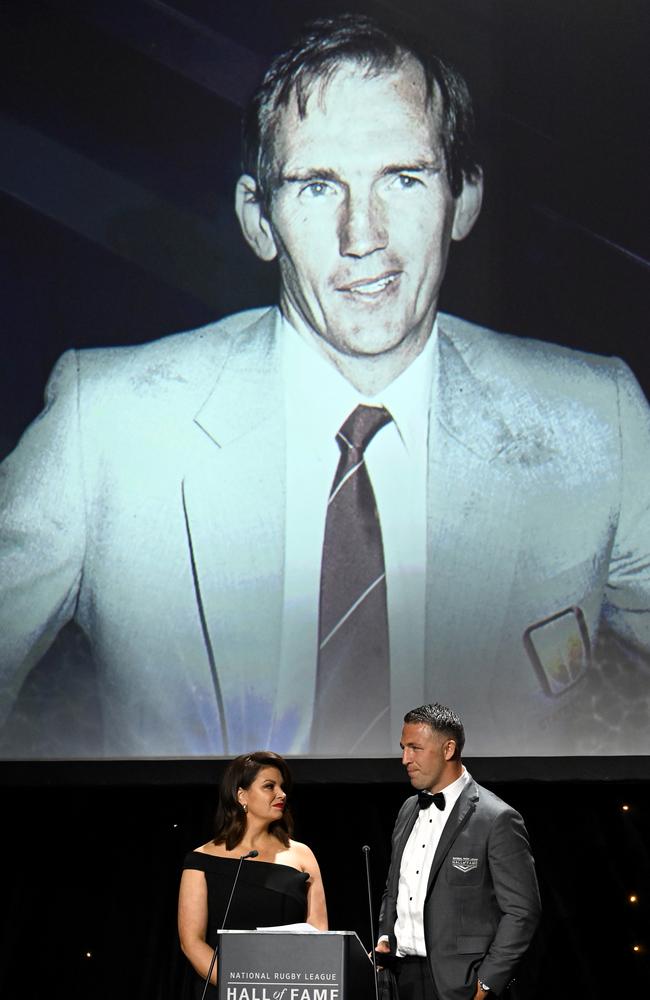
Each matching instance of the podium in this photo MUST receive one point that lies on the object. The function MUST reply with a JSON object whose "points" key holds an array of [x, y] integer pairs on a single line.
{"points": [[328, 965]]}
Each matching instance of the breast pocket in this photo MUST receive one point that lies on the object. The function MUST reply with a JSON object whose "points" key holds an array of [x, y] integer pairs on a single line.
{"points": [[466, 868]]}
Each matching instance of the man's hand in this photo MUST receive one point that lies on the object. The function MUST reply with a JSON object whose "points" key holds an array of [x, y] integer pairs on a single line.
{"points": [[382, 946], [480, 993]]}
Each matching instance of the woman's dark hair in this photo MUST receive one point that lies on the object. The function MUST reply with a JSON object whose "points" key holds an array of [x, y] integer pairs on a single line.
{"points": [[314, 58], [230, 821]]}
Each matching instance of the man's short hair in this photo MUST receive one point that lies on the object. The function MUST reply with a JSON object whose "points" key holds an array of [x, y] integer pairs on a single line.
{"points": [[316, 55], [440, 720]]}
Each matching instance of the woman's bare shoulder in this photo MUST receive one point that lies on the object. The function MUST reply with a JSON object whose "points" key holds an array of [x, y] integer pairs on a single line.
{"points": [[301, 851], [216, 850]]}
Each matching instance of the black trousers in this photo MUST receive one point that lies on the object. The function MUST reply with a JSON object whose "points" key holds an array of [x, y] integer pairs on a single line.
{"points": [[414, 980]]}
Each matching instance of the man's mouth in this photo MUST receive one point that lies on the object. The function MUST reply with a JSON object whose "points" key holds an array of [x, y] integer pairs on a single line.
{"points": [[370, 286]]}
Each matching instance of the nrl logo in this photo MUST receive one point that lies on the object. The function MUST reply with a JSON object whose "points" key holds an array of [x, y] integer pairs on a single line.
{"points": [[464, 864]]}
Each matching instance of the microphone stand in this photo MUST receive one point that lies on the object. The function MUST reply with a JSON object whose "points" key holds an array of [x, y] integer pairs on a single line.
{"points": [[244, 857], [366, 851]]}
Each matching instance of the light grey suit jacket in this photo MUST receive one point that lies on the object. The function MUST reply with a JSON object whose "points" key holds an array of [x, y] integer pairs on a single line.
{"points": [[148, 502], [482, 904]]}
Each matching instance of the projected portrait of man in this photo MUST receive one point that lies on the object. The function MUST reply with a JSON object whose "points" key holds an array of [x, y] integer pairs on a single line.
{"points": [[285, 528]]}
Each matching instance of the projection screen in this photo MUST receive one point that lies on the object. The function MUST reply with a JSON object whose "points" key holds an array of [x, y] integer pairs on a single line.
{"points": [[160, 539]]}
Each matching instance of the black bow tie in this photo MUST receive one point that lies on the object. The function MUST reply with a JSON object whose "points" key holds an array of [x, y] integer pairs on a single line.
{"points": [[425, 799]]}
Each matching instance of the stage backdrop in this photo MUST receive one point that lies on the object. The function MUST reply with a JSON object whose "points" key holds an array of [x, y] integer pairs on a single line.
{"points": [[120, 125]]}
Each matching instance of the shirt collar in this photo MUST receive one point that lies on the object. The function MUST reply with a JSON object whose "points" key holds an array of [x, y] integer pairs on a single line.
{"points": [[453, 790], [324, 398]]}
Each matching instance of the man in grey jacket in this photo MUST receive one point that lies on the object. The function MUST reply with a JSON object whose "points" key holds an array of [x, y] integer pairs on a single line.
{"points": [[461, 903]]}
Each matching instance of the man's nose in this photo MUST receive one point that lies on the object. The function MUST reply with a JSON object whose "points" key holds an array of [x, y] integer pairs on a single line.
{"points": [[406, 756], [362, 228]]}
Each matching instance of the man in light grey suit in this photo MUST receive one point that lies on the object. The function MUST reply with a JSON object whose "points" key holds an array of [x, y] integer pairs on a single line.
{"points": [[461, 903], [173, 498]]}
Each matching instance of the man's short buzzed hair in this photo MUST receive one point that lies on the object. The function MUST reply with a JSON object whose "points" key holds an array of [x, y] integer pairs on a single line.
{"points": [[440, 720], [316, 55]]}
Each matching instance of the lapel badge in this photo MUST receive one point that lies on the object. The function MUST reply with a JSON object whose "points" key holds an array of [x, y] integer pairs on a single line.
{"points": [[559, 649], [464, 864]]}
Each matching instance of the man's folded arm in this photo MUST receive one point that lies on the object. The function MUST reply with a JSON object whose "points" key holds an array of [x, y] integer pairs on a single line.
{"points": [[627, 597], [386, 915], [42, 532], [388, 909]]}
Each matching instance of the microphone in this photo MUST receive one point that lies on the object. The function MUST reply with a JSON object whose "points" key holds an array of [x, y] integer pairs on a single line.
{"points": [[366, 851], [244, 857]]}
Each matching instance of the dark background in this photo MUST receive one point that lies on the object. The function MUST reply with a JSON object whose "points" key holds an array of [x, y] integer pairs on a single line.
{"points": [[95, 868], [119, 125]]}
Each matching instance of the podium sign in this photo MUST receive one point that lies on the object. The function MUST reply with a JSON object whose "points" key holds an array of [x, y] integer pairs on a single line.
{"points": [[329, 965]]}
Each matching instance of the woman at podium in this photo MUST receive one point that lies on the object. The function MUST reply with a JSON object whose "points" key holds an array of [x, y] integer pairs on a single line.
{"points": [[273, 879]]}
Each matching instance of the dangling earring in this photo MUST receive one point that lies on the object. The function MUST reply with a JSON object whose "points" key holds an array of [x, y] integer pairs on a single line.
{"points": [[244, 807]]}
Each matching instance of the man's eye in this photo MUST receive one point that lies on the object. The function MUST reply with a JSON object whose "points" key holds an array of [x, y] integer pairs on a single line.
{"points": [[406, 181], [316, 189]]}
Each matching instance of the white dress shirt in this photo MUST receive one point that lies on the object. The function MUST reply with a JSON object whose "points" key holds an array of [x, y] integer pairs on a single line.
{"points": [[414, 871], [318, 400]]}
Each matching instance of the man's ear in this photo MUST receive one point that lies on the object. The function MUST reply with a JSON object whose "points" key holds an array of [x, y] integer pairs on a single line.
{"points": [[450, 749], [254, 224], [468, 206]]}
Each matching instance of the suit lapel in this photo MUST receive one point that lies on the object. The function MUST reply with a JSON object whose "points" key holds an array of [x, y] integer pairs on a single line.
{"points": [[470, 496], [234, 493], [409, 822], [460, 814]]}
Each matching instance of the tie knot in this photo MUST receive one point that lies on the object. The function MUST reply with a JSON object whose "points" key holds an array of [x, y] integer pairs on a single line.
{"points": [[361, 426], [426, 799]]}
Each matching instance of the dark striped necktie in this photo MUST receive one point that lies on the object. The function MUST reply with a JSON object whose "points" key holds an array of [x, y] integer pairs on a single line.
{"points": [[352, 703]]}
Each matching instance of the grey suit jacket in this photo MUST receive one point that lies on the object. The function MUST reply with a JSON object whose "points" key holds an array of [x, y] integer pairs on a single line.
{"points": [[482, 904], [148, 502]]}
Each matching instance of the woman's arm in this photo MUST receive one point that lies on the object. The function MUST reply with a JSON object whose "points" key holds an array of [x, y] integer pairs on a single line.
{"points": [[193, 922], [316, 905]]}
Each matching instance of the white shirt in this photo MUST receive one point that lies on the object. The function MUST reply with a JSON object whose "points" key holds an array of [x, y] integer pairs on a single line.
{"points": [[414, 871], [318, 400]]}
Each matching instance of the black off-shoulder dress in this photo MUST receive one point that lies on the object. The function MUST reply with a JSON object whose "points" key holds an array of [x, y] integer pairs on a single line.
{"points": [[267, 895]]}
